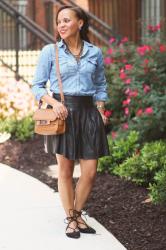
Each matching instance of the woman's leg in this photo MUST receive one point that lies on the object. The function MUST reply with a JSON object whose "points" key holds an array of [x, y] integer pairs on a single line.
{"points": [[65, 185], [85, 182]]}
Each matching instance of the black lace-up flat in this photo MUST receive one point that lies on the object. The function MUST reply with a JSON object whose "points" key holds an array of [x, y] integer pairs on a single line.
{"points": [[87, 229], [76, 233]]}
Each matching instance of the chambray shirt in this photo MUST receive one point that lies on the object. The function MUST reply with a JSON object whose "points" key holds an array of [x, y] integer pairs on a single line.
{"points": [[83, 78]]}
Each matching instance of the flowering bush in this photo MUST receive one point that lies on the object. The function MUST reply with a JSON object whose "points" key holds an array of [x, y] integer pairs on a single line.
{"points": [[137, 85], [16, 100], [16, 106]]}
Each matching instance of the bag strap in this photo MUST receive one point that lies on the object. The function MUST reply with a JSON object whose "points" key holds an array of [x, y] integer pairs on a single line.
{"points": [[59, 77]]}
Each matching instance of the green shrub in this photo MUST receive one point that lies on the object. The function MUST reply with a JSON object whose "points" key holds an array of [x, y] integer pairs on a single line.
{"points": [[8, 125], [125, 147], [20, 129], [131, 169], [142, 168], [105, 163], [24, 129], [120, 149], [158, 189]]}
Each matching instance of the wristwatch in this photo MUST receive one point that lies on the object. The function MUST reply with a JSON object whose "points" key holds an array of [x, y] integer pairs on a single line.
{"points": [[100, 107]]}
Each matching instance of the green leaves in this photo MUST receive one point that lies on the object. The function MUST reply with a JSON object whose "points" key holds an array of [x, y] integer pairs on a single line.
{"points": [[145, 166], [20, 129], [120, 149], [158, 189], [148, 169]]}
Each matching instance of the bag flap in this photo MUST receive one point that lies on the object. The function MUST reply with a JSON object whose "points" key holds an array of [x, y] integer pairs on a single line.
{"points": [[44, 114]]}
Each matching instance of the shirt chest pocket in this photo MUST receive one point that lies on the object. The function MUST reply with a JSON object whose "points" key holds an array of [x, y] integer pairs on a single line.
{"points": [[66, 67], [91, 65]]}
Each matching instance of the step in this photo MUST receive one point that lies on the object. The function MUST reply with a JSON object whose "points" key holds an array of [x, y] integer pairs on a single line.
{"points": [[52, 171]]}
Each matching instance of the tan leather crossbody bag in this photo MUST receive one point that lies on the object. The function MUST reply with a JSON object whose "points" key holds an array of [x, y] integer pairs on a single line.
{"points": [[46, 121]]}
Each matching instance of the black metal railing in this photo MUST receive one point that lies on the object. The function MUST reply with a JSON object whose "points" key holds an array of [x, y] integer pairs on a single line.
{"points": [[20, 34], [22, 38]]}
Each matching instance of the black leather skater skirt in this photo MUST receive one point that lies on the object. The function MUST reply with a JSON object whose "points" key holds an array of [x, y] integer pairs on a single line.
{"points": [[85, 136]]}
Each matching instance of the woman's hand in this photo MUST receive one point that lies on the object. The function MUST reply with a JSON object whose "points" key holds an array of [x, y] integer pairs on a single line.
{"points": [[60, 110], [104, 118], [101, 109]]}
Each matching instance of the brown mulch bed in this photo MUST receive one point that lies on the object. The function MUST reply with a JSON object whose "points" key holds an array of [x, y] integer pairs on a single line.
{"points": [[116, 203]]}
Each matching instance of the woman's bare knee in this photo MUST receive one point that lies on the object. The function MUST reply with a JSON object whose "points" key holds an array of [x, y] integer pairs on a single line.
{"points": [[88, 169], [65, 167]]}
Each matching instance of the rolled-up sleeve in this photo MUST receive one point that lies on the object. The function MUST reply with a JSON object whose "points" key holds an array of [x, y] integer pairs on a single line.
{"points": [[42, 72], [100, 80]]}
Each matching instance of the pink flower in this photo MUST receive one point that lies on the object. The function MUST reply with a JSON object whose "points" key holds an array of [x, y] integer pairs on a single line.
{"points": [[146, 61], [133, 93], [139, 112], [128, 66], [158, 26], [124, 60], [124, 40], [125, 126], [126, 111], [126, 102], [108, 113], [112, 40], [122, 51], [122, 75], [154, 28], [110, 51], [107, 60], [148, 110], [143, 49], [150, 28], [127, 91], [128, 81], [162, 48], [113, 134], [146, 88]]}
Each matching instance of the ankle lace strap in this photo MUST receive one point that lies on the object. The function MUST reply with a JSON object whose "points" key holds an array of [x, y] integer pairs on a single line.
{"points": [[71, 217], [74, 214], [79, 213]]}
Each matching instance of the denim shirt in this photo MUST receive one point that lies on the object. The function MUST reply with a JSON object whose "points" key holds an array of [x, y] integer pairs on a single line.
{"points": [[83, 78]]}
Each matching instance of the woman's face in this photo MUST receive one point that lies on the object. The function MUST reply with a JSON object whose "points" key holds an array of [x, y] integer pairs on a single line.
{"points": [[68, 24]]}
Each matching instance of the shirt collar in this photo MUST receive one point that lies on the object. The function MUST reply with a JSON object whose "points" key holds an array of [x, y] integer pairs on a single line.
{"points": [[85, 49], [87, 46], [61, 43]]}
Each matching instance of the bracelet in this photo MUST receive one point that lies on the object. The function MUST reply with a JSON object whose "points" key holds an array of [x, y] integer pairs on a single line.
{"points": [[100, 107]]}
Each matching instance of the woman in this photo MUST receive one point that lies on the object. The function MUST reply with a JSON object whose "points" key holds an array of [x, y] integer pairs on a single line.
{"points": [[84, 85]]}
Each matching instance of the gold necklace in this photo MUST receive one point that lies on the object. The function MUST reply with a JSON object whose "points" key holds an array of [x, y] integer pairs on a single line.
{"points": [[77, 56]]}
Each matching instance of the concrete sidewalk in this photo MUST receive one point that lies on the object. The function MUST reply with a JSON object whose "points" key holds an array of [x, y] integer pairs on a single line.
{"points": [[32, 218]]}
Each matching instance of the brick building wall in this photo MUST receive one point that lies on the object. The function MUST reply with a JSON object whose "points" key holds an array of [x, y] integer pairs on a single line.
{"points": [[36, 10], [83, 3]]}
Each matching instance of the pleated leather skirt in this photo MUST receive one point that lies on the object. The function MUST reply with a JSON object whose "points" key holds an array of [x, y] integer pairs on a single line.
{"points": [[85, 136]]}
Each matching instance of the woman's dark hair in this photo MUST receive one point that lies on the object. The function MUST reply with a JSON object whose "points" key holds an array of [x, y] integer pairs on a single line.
{"points": [[80, 13]]}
